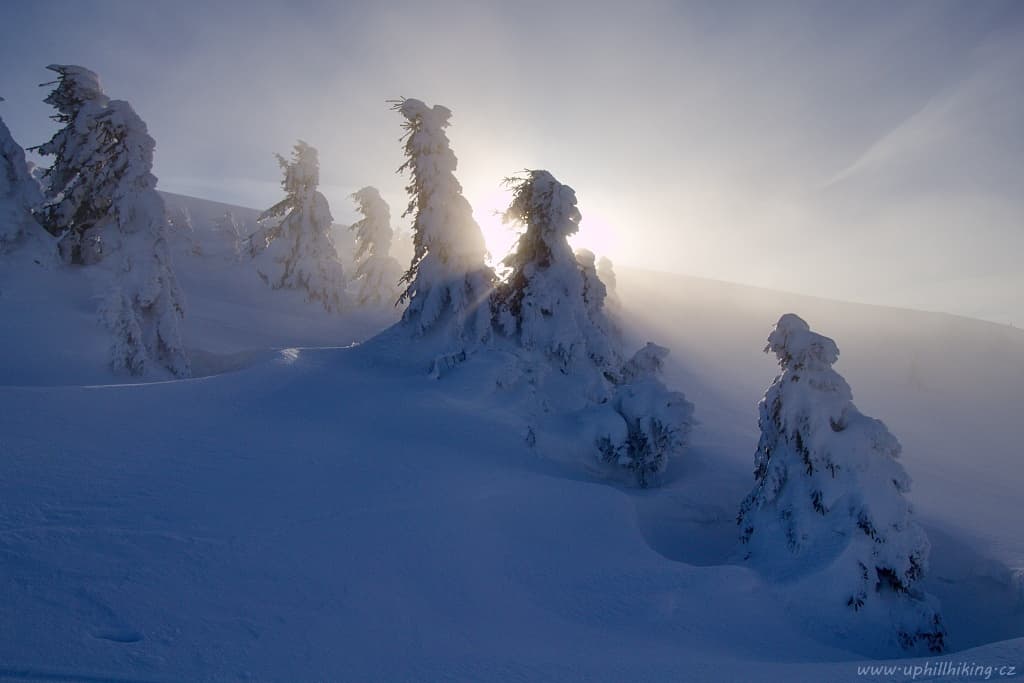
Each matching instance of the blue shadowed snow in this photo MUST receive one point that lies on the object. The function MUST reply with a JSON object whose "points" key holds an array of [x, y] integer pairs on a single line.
{"points": [[307, 513]]}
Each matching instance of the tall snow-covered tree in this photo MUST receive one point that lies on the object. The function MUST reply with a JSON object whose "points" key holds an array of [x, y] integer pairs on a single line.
{"points": [[299, 253], [103, 202], [552, 303], [830, 493], [377, 273], [78, 186], [448, 284], [19, 192], [543, 301]]}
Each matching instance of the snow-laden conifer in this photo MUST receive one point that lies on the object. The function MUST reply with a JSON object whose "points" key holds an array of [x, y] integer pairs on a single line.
{"points": [[552, 304], [104, 204], [299, 253], [377, 273], [547, 301], [79, 182], [145, 305], [829, 497], [448, 284], [19, 192]]}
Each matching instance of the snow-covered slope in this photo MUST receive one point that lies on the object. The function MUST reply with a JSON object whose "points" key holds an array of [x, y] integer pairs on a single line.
{"points": [[335, 514], [232, 317]]}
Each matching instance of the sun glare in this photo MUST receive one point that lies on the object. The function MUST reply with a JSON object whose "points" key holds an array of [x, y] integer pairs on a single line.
{"points": [[500, 237], [594, 234]]}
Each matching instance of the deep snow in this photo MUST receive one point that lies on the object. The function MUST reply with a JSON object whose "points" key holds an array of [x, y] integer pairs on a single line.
{"points": [[311, 510]]}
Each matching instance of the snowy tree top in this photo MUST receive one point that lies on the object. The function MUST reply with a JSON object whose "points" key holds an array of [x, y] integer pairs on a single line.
{"points": [[541, 200], [75, 86], [367, 196], [424, 116], [586, 258], [302, 172], [372, 206], [300, 181], [428, 153], [797, 347]]}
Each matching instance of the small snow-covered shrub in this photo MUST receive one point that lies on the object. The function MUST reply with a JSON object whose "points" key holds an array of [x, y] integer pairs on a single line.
{"points": [[658, 420]]}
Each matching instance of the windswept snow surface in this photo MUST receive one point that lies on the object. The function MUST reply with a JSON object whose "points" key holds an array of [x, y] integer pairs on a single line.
{"points": [[336, 514]]}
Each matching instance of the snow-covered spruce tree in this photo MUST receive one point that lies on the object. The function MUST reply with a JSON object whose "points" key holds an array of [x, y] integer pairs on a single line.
{"points": [[300, 253], [829, 494], [84, 150], [448, 284], [377, 273], [552, 303], [104, 203], [19, 192], [145, 304], [544, 300]]}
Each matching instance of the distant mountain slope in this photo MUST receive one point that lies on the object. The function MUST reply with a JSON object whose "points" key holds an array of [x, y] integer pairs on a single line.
{"points": [[207, 212]]}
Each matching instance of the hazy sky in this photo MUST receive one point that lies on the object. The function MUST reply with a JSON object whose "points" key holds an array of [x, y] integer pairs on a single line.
{"points": [[856, 150]]}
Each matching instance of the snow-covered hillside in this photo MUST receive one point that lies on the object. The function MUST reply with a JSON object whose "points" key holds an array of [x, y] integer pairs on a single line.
{"points": [[309, 509]]}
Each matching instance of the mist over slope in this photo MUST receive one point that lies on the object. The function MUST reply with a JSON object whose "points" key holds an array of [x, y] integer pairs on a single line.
{"points": [[950, 388]]}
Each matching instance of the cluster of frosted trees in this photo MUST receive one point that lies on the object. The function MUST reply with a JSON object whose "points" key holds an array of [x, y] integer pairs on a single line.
{"points": [[828, 485], [829, 488], [98, 206]]}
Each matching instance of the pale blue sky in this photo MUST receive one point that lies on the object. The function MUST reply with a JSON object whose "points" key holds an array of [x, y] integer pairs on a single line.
{"points": [[870, 151]]}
